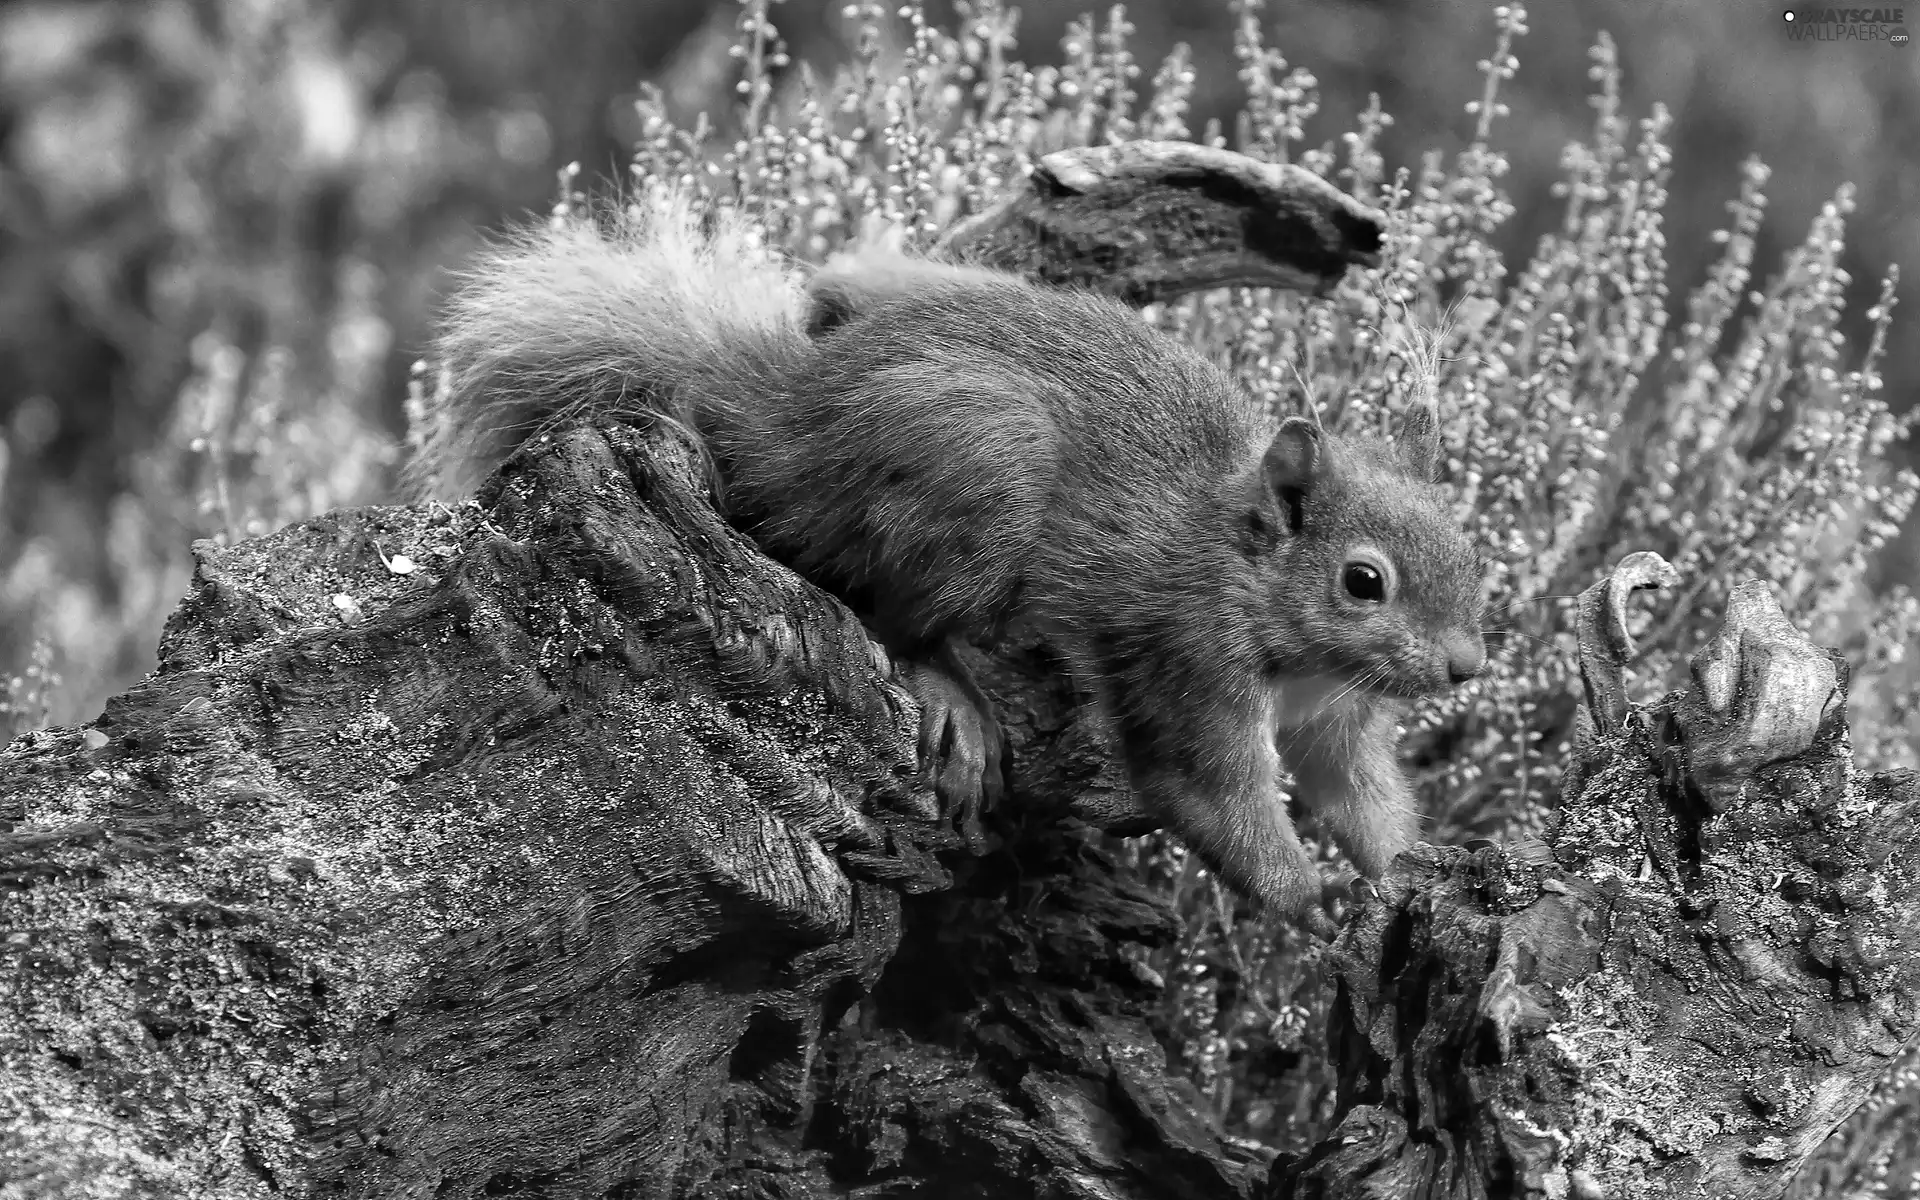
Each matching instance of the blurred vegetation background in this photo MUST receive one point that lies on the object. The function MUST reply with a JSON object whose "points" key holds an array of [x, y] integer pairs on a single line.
{"points": [[224, 223]]}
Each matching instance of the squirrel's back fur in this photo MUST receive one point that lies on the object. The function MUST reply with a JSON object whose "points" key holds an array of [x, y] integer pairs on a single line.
{"points": [[957, 442], [938, 422]]}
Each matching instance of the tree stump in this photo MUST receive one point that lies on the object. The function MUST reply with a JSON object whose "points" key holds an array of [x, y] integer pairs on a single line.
{"points": [[1701, 983], [563, 845]]}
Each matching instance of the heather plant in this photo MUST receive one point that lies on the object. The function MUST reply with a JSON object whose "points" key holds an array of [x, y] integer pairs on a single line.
{"points": [[210, 194], [1750, 441]]}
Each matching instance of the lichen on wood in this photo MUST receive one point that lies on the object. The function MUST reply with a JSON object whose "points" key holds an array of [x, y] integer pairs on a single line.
{"points": [[1682, 990], [1148, 221], [560, 844], [381, 864], [464, 851]]}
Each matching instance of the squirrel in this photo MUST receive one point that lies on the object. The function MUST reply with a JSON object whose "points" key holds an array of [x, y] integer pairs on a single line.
{"points": [[945, 447]]}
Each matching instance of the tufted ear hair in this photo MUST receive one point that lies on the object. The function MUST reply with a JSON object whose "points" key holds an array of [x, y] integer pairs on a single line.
{"points": [[1290, 465], [831, 303], [1420, 442]]}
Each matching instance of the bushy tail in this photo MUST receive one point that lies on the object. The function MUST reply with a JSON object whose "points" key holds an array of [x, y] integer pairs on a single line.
{"points": [[640, 311]]}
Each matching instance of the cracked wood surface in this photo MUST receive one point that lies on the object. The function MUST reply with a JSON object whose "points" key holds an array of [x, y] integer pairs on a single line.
{"points": [[584, 855], [1710, 964]]}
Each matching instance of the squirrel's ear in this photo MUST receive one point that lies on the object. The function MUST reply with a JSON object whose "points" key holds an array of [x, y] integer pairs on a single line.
{"points": [[1420, 441], [1290, 464], [832, 301]]}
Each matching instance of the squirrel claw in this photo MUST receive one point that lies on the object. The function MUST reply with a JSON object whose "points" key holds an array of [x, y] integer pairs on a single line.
{"points": [[960, 750]]}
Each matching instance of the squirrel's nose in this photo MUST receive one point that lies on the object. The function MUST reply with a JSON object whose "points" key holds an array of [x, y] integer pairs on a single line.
{"points": [[1466, 654]]}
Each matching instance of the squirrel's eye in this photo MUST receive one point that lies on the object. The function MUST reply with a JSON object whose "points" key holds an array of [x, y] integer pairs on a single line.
{"points": [[1363, 581]]}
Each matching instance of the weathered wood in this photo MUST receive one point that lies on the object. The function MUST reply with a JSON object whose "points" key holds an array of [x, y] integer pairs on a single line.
{"points": [[1147, 221], [422, 883], [580, 860], [525, 847], [553, 864], [1706, 967], [562, 845]]}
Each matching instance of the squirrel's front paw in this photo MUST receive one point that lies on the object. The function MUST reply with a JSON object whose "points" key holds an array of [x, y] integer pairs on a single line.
{"points": [[1296, 894], [1306, 906], [960, 748]]}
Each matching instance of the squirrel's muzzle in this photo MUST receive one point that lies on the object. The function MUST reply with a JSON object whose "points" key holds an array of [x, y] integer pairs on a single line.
{"points": [[1466, 655]]}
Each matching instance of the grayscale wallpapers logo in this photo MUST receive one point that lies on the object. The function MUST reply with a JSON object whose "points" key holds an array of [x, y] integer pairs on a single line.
{"points": [[1848, 25]]}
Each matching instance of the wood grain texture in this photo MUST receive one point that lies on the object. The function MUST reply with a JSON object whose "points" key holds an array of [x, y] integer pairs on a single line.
{"points": [[562, 845], [1681, 991], [421, 884], [1148, 221]]}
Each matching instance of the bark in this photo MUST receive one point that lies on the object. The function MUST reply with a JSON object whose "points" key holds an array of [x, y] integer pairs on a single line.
{"points": [[1145, 221], [562, 845], [1703, 982]]}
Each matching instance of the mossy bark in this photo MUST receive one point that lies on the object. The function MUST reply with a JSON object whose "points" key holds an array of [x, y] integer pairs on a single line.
{"points": [[562, 845]]}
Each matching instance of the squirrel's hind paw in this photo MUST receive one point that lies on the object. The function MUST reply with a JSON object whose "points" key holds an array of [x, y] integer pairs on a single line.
{"points": [[961, 746]]}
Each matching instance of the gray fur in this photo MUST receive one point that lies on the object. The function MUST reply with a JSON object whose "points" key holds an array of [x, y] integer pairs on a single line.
{"points": [[639, 312], [956, 446]]}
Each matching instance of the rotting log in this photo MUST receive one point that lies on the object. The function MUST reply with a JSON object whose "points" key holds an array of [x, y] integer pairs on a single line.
{"points": [[562, 845], [1705, 981], [535, 846], [554, 862], [1147, 221]]}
